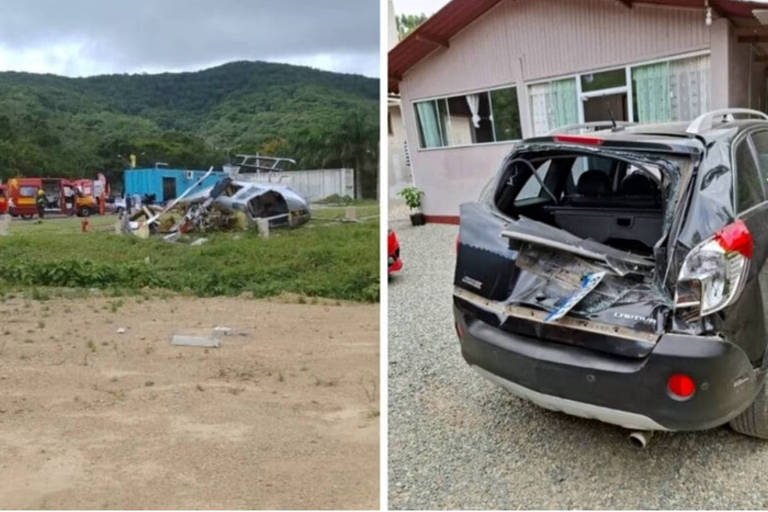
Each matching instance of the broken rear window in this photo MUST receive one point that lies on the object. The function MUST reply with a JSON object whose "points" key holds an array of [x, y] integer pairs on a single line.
{"points": [[616, 201]]}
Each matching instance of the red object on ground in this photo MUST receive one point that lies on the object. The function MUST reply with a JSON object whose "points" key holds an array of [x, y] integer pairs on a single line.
{"points": [[84, 225], [393, 253]]}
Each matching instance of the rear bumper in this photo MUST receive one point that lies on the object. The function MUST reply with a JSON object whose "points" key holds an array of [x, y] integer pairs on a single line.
{"points": [[628, 392]]}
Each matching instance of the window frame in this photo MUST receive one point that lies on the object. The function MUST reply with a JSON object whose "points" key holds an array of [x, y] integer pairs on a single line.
{"points": [[755, 154], [487, 91], [580, 95], [441, 133], [745, 136]]}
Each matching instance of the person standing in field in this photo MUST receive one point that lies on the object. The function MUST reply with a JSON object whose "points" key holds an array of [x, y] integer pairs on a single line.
{"points": [[40, 202]]}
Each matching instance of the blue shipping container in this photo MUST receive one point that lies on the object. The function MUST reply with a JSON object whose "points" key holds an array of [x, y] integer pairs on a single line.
{"points": [[165, 183]]}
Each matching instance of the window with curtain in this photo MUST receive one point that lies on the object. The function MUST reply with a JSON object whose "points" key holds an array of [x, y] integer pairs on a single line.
{"points": [[469, 119], [553, 104], [651, 93], [689, 86], [474, 118], [430, 117], [673, 90]]}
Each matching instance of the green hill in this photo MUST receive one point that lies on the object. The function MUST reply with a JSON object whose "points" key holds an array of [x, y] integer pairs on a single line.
{"points": [[58, 126]]}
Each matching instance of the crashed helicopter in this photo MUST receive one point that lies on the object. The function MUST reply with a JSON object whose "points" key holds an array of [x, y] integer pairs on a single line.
{"points": [[251, 193]]}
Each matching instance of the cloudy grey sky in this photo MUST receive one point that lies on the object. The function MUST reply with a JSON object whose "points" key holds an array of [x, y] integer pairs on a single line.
{"points": [[428, 7], [87, 37]]}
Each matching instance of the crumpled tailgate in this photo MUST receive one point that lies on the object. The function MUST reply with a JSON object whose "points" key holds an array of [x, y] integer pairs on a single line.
{"points": [[546, 270]]}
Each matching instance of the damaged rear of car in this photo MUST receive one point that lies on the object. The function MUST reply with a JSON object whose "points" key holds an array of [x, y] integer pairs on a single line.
{"points": [[616, 276]]}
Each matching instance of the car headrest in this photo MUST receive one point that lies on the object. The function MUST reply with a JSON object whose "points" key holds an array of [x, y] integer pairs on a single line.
{"points": [[593, 183], [638, 184]]}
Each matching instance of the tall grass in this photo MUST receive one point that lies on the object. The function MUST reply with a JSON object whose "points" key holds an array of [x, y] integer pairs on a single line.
{"points": [[338, 261]]}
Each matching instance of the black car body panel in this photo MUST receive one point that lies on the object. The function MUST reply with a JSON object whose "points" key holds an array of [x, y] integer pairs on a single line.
{"points": [[519, 262], [727, 382]]}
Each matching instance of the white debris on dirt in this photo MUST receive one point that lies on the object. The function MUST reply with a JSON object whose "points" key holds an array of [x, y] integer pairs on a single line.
{"points": [[195, 341]]}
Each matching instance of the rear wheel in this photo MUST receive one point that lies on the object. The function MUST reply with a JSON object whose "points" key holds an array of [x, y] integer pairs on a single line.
{"points": [[754, 421], [85, 212]]}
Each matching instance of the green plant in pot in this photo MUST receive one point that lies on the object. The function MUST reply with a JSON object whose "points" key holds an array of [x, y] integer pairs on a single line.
{"points": [[412, 196]]}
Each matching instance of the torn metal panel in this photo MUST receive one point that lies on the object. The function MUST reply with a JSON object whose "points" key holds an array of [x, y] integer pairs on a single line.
{"points": [[588, 283], [532, 315], [547, 279], [535, 232]]}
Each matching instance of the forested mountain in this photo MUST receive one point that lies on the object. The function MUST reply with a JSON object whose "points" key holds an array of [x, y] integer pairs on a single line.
{"points": [[58, 126]]}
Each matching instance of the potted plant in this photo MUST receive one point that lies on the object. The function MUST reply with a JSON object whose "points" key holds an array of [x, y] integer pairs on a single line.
{"points": [[412, 196]]}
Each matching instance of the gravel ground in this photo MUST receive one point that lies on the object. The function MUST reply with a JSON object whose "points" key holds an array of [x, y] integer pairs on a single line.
{"points": [[457, 441]]}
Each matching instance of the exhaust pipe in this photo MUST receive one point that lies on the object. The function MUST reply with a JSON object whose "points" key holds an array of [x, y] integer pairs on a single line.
{"points": [[640, 438]]}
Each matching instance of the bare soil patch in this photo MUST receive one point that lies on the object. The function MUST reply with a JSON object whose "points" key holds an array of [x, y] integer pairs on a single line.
{"points": [[283, 415]]}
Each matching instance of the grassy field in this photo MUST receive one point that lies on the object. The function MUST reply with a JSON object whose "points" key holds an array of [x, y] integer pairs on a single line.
{"points": [[324, 258]]}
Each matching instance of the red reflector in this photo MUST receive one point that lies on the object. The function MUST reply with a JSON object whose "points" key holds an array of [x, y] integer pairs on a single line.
{"points": [[681, 386], [587, 140], [459, 330], [736, 237]]}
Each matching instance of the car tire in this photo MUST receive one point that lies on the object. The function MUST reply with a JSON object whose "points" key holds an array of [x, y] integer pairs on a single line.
{"points": [[85, 212], [754, 420]]}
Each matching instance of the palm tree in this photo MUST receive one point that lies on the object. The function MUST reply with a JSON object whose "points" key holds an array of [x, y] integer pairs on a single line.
{"points": [[357, 141]]}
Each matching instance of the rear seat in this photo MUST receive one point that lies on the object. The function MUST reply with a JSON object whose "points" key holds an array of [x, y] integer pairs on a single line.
{"points": [[633, 214]]}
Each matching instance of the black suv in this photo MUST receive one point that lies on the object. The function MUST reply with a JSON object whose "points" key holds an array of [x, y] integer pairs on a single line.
{"points": [[619, 274]]}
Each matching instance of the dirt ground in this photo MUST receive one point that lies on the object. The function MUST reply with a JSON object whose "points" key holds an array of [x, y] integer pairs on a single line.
{"points": [[283, 415]]}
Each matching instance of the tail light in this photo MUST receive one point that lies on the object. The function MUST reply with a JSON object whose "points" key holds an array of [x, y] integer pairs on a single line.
{"points": [[587, 140], [714, 272]]}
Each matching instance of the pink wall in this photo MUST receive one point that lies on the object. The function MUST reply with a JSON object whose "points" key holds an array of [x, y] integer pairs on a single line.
{"points": [[525, 40], [456, 175]]}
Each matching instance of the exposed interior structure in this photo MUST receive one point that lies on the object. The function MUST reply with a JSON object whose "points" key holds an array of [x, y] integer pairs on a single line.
{"points": [[605, 199]]}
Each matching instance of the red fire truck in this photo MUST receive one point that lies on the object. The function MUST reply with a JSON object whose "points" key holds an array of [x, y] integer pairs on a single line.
{"points": [[68, 197]]}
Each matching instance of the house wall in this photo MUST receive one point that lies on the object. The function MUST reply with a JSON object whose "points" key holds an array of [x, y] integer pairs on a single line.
{"points": [[737, 80], [526, 40], [398, 166], [746, 78]]}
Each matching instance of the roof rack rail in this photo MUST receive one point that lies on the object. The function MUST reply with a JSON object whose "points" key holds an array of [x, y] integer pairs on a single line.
{"points": [[592, 126], [707, 119]]}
